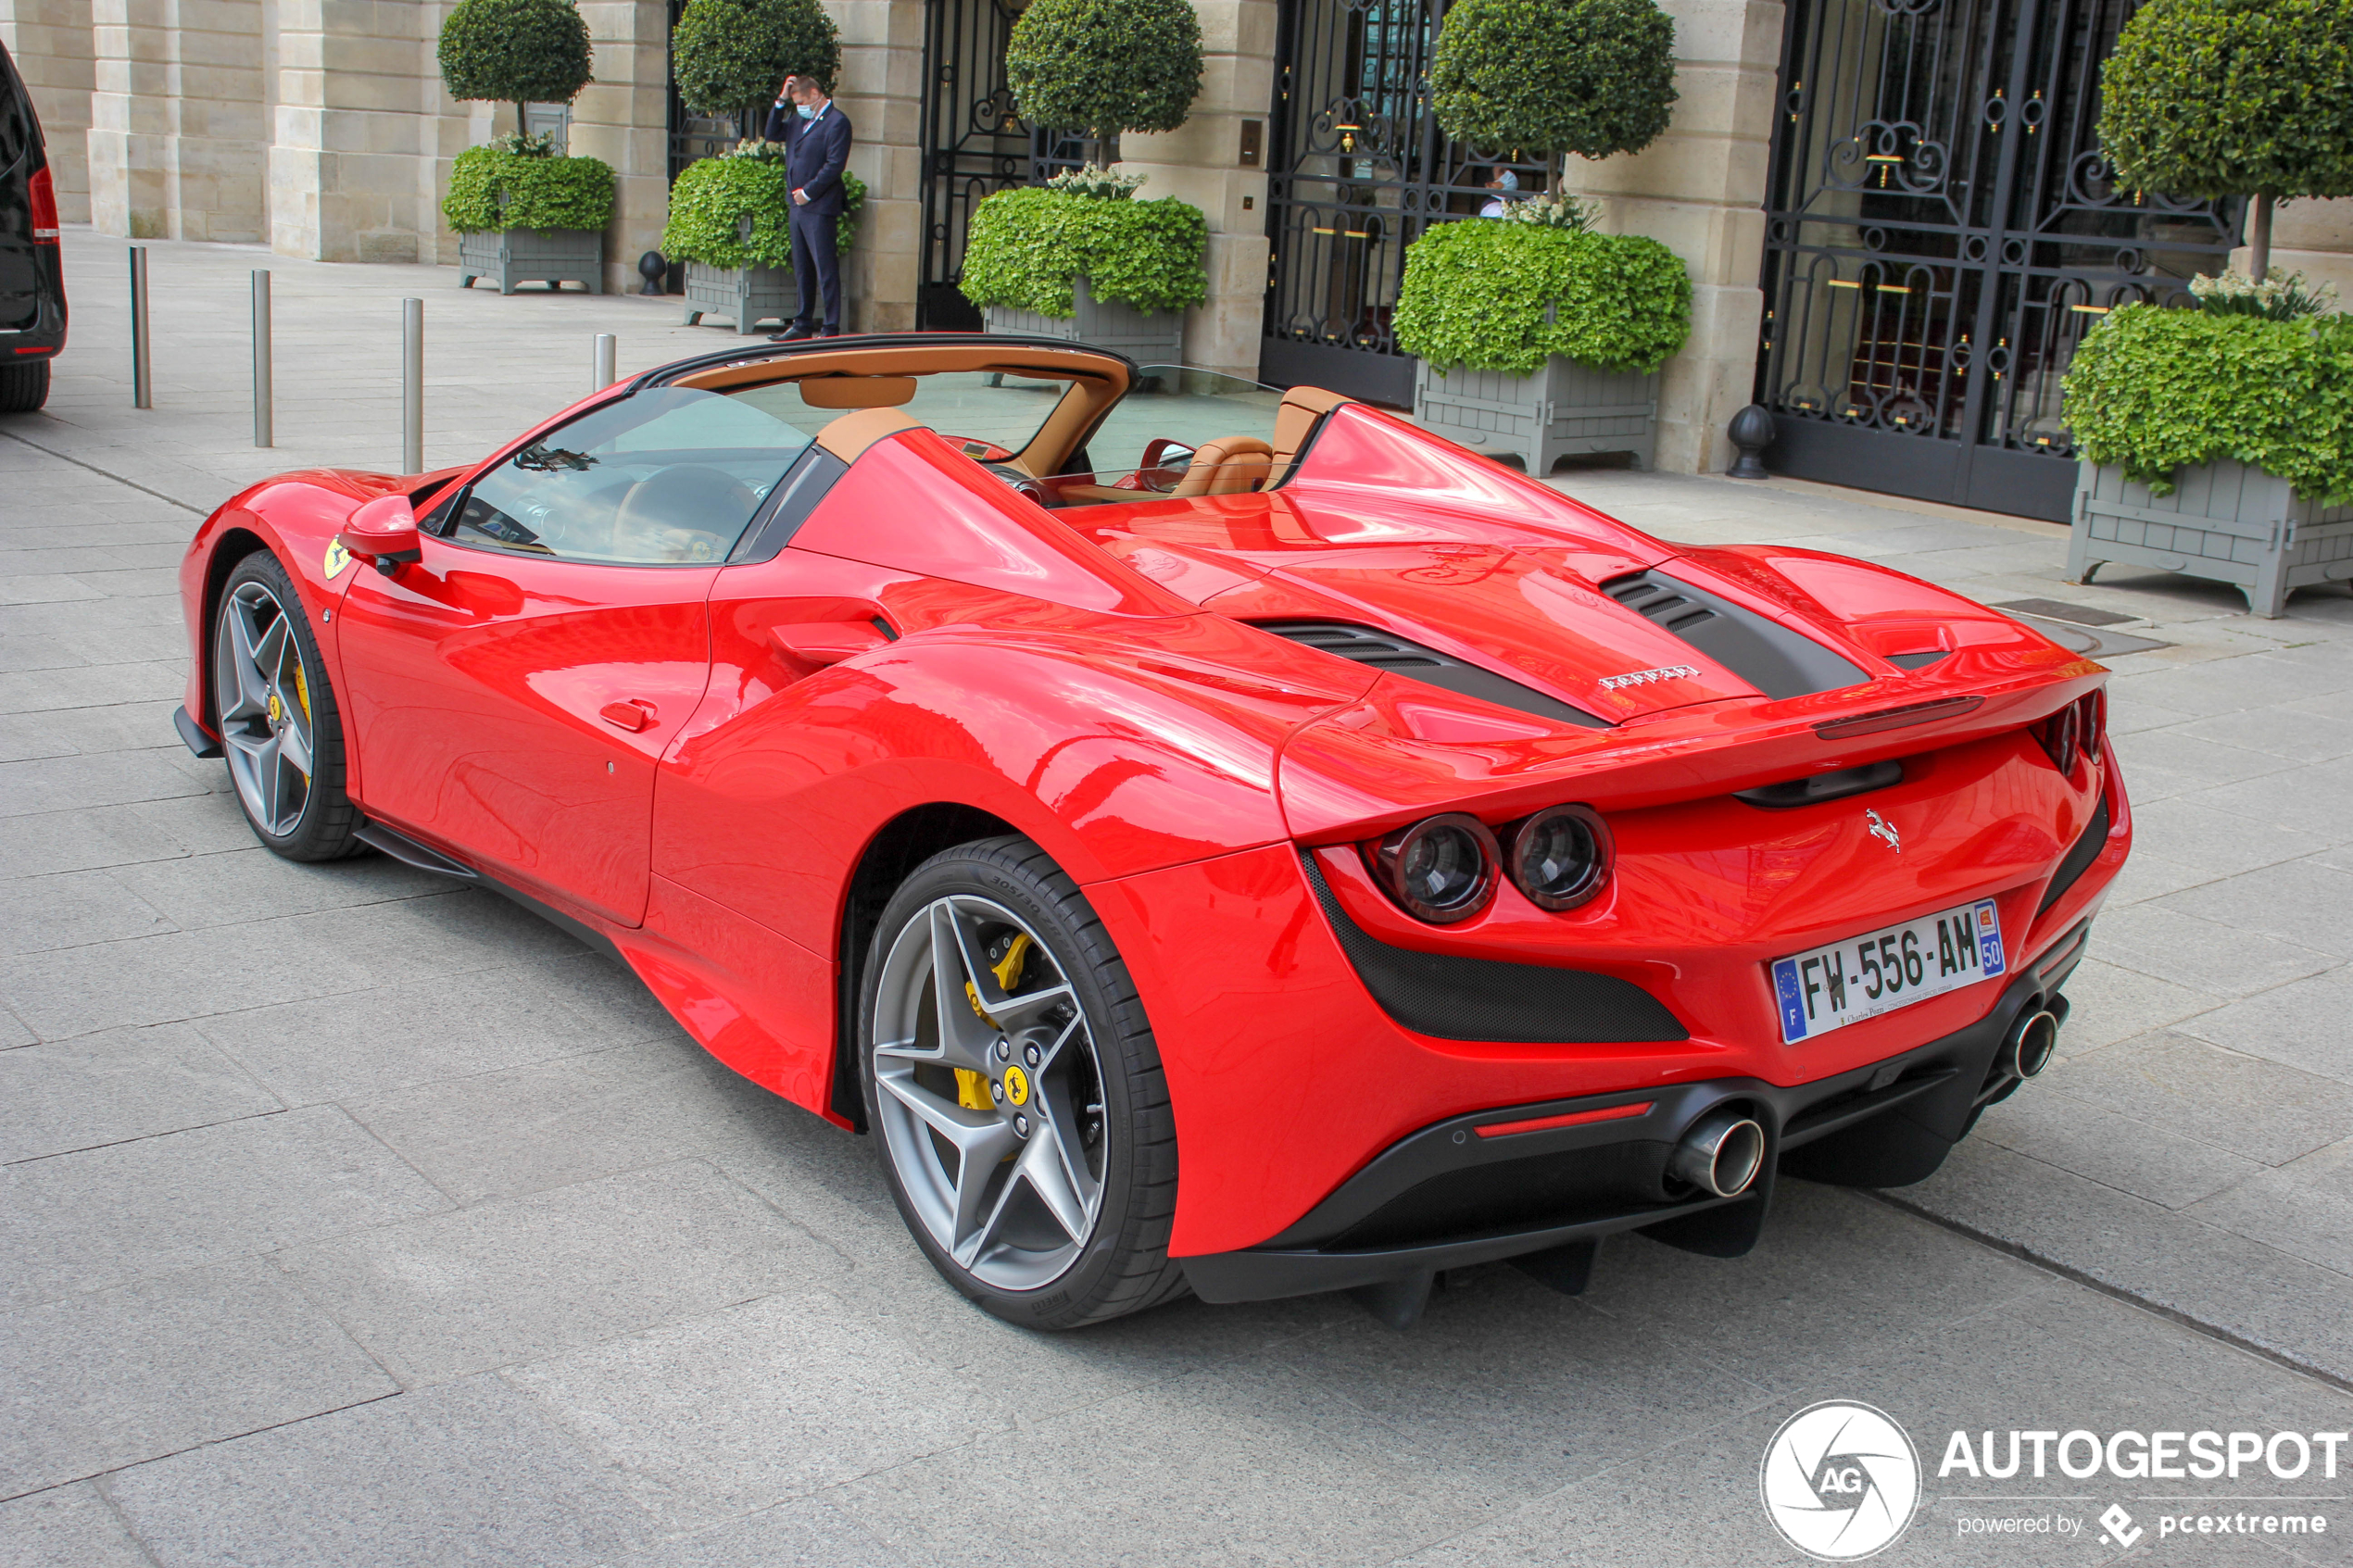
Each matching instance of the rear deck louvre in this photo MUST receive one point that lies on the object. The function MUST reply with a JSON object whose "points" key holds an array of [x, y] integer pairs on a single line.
{"points": [[1383, 650], [1768, 656]]}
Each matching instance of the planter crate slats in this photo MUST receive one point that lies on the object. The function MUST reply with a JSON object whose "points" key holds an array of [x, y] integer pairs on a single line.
{"points": [[2225, 521], [1564, 410], [525, 256], [1157, 339], [746, 295]]}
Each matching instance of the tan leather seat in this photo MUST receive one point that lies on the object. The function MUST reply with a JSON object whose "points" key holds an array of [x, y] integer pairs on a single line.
{"points": [[1227, 467]]}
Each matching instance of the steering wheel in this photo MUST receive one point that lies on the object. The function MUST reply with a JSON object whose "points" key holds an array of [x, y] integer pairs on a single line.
{"points": [[668, 515]]}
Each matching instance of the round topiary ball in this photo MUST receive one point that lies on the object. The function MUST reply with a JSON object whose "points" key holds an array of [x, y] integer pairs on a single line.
{"points": [[515, 51], [1103, 66], [2233, 97], [1542, 77], [730, 55]]}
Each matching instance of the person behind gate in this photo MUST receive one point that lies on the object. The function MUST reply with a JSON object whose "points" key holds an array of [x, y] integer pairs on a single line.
{"points": [[816, 136]]}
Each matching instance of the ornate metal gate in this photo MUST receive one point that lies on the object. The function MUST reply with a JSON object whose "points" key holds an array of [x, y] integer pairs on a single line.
{"points": [[1358, 170], [975, 145], [1941, 232]]}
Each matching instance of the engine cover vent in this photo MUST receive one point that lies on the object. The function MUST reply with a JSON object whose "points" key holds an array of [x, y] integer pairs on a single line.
{"points": [[1385, 650], [1768, 656]]}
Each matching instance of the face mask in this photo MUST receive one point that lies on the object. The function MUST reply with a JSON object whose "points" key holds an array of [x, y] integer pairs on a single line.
{"points": [[808, 111]]}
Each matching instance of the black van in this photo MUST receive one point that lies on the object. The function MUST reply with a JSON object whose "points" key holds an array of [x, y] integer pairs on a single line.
{"points": [[32, 274]]}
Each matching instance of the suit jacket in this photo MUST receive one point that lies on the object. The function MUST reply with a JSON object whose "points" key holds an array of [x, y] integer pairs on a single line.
{"points": [[816, 153]]}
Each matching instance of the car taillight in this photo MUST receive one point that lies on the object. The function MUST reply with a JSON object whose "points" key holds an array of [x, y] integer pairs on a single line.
{"points": [[2081, 726], [1442, 868], [1560, 857], [44, 209]]}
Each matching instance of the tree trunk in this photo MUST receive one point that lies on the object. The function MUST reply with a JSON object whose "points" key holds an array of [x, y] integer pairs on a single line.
{"points": [[2258, 239], [522, 117]]}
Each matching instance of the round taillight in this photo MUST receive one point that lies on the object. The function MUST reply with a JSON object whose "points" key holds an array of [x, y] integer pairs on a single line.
{"points": [[1561, 856], [1442, 868]]}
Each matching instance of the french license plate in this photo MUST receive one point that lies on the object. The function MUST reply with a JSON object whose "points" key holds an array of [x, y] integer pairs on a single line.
{"points": [[1864, 976]]}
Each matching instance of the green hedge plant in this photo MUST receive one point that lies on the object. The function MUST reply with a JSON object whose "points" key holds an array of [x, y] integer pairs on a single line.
{"points": [[713, 196], [491, 188], [1543, 78], [515, 52], [2153, 390], [1491, 295], [1103, 66], [729, 56], [1028, 245], [2233, 98]]}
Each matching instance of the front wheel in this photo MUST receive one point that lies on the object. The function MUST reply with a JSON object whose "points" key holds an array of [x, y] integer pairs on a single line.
{"points": [[1013, 1083], [280, 724]]}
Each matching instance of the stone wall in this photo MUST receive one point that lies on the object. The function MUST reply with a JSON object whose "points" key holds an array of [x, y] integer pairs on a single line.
{"points": [[881, 91], [51, 41], [179, 119]]}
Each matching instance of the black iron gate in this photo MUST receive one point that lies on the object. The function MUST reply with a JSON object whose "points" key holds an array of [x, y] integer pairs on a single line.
{"points": [[1358, 170], [1941, 232], [975, 145]]}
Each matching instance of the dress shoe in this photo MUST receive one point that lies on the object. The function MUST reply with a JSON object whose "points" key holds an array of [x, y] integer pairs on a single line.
{"points": [[831, 331], [793, 333]]}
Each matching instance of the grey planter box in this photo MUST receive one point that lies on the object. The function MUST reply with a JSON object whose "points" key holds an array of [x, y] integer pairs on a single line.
{"points": [[1114, 324], [1563, 409], [523, 256], [747, 296], [2226, 522]]}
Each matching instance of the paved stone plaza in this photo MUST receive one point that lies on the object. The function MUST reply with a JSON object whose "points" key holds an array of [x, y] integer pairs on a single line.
{"points": [[356, 1220]]}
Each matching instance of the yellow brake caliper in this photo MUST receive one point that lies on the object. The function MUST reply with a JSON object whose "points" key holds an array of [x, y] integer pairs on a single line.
{"points": [[302, 691], [972, 1088]]}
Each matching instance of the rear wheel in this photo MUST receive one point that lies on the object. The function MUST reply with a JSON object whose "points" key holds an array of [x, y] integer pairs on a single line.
{"points": [[23, 388], [279, 722], [1013, 1084]]}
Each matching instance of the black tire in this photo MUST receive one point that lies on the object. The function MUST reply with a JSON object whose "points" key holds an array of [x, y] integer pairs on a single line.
{"points": [[327, 821], [1123, 1265], [23, 388]]}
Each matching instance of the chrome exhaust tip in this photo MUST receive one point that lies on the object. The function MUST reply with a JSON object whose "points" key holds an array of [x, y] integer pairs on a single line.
{"points": [[2027, 1050], [1720, 1155]]}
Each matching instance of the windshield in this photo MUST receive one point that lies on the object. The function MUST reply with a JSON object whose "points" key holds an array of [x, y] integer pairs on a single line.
{"points": [[1147, 441], [991, 414]]}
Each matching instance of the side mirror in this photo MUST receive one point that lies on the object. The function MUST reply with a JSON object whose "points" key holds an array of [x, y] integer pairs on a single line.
{"points": [[385, 532]]}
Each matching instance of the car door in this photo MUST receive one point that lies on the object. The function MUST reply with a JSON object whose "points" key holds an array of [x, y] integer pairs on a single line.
{"points": [[512, 690]]}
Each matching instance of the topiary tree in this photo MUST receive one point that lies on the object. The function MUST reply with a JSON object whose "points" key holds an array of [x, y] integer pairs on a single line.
{"points": [[2233, 98], [1105, 65], [729, 56], [515, 52], [1554, 76]]}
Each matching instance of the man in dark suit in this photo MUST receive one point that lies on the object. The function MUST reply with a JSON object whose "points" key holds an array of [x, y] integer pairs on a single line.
{"points": [[816, 135]]}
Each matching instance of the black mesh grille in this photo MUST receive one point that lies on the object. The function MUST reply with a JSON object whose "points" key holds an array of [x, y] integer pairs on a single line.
{"points": [[2085, 850], [1463, 999], [1383, 650], [1766, 653]]}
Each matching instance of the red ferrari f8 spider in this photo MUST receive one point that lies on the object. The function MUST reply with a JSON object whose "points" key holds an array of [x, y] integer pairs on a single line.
{"points": [[1210, 839]]}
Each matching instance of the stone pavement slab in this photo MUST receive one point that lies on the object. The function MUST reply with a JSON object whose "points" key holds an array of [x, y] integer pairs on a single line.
{"points": [[353, 1219]]}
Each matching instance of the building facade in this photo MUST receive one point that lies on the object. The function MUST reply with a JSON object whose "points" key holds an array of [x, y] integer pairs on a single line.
{"points": [[1893, 212]]}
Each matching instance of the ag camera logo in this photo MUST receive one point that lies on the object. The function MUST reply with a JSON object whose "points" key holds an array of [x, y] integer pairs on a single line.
{"points": [[1839, 1481]]}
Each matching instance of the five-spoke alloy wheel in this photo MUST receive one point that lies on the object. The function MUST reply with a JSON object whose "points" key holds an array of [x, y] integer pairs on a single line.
{"points": [[277, 715], [1014, 1087]]}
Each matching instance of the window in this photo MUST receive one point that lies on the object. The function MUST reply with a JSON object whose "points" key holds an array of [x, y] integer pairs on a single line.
{"points": [[1148, 439], [669, 476], [991, 414]]}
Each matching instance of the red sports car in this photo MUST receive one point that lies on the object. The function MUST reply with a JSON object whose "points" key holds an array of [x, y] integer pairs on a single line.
{"points": [[1211, 839]]}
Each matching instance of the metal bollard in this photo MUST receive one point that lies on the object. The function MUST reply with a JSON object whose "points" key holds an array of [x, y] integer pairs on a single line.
{"points": [[412, 387], [142, 383], [264, 410], [601, 374]]}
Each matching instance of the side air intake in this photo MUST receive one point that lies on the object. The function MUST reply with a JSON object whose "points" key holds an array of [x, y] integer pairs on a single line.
{"points": [[1768, 656], [1384, 650]]}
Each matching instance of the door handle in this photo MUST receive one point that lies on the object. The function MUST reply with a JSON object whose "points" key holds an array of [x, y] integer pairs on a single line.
{"points": [[633, 715], [830, 641]]}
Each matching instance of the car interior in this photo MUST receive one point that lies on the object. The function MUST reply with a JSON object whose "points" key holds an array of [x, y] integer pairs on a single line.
{"points": [[673, 473]]}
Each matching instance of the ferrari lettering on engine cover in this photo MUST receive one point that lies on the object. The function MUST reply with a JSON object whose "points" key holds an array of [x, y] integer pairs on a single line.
{"points": [[1644, 677]]}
